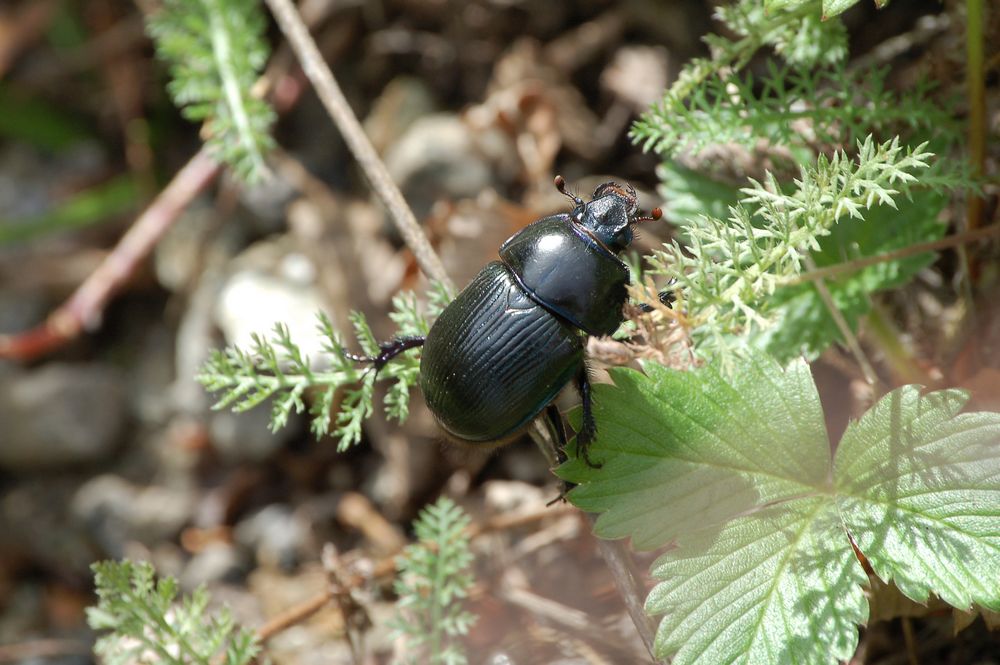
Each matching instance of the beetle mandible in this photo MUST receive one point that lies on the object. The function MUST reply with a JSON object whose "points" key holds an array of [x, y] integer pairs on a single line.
{"points": [[503, 349]]}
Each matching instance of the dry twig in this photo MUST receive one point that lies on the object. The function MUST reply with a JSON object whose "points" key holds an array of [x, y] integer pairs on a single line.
{"points": [[340, 111], [386, 567], [83, 309]]}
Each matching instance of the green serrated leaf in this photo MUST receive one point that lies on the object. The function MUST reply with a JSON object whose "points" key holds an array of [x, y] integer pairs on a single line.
{"points": [[771, 587], [919, 492], [736, 475], [687, 461]]}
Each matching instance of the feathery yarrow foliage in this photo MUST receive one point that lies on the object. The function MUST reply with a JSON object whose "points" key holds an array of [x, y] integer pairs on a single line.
{"points": [[433, 577], [807, 113], [149, 624], [216, 51], [796, 32], [789, 107], [831, 8], [797, 35], [275, 368], [729, 268]]}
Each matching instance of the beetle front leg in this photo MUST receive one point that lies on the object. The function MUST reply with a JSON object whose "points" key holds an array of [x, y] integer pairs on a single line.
{"points": [[665, 297], [387, 351], [588, 429]]}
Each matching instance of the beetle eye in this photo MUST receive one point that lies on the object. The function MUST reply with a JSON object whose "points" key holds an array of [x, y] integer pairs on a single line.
{"points": [[577, 214]]}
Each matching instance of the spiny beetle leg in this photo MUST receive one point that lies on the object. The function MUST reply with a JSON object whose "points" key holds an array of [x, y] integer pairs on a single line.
{"points": [[665, 296], [387, 351], [555, 421], [558, 429], [589, 428]]}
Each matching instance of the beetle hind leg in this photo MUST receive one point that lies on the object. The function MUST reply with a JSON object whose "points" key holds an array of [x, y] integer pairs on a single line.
{"points": [[665, 297], [388, 351], [588, 429], [558, 431]]}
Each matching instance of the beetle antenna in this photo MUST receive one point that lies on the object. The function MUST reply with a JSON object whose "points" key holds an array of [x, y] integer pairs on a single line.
{"points": [[654, 215], [561, 186]]}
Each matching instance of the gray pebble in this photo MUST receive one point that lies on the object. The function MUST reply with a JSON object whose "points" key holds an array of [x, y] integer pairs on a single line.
{"points": [[60, 415]]}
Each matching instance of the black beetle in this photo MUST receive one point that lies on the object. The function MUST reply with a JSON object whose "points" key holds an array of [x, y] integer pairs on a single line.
{"points": [[514, 337]]}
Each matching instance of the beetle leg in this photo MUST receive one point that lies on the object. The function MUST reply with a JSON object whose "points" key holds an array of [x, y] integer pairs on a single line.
{"points": [[555, 421], [589, 428], [387, 351], [665, 296], [559, 437]]}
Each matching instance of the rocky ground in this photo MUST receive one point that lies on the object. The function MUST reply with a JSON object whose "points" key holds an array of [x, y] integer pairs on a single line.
{"points": [[108, 446]]}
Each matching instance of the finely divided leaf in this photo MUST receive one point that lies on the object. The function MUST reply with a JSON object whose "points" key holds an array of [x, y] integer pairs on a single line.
{"points": [[804, 324], [736, 475], [216, 50], [919, 488]]}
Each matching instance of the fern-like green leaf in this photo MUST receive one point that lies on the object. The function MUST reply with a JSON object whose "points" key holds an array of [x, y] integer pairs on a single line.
{"points": [[276, 369], [216, 51], [792, 108], [148, 623], [803, 323], [729, 269], [433, 578]]}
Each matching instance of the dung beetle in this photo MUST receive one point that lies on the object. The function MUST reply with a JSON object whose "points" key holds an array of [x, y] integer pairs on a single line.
{"points": [[503, 349]]}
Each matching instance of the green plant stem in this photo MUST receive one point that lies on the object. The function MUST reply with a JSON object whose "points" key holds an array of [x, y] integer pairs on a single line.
{"points": [[849, 337], [439, 579], [895, 352], [223, 54], [975, 75], [835, 270]]}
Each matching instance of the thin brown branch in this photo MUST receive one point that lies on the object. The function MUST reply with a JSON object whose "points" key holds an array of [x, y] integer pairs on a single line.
{"points": [[294, 615], [619, 562], [340, 111], [83, 309], [857, 264], [386, 567]]}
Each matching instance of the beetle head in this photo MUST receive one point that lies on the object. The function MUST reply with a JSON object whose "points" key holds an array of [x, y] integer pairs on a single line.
{"points": [[610, 214]]}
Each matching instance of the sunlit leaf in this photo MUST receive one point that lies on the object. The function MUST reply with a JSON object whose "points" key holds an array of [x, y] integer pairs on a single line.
{"points": [[735, 476]]}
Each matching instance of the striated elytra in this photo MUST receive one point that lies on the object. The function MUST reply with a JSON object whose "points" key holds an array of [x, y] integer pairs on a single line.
{"points": [[514, 337]]}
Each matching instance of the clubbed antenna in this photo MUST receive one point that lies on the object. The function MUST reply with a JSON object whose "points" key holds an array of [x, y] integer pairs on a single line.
{"points": [[561, 186], [654, 215]]}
